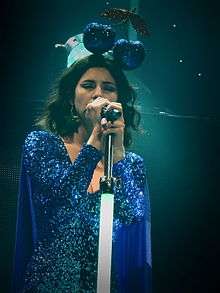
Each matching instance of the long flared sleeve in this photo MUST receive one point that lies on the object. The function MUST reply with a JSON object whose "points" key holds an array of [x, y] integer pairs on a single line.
{"points": [[23, 241], [132, 250]]}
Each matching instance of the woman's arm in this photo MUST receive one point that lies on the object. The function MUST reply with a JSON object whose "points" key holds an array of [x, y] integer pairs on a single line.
{"points": [[47, 164], [132, 200]]}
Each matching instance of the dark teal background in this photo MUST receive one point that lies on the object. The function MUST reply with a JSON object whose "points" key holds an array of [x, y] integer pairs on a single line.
{"points": [[180, 147]]}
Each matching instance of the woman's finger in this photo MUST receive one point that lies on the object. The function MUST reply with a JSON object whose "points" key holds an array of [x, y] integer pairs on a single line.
{"points": [[119, 130], [117, 124]]}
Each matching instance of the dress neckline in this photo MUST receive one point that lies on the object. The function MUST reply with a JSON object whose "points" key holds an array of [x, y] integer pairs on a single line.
{"points": [[64, 148]]}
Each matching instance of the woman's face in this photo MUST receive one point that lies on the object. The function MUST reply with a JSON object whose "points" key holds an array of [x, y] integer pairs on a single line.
{"points": [[95, 82]]}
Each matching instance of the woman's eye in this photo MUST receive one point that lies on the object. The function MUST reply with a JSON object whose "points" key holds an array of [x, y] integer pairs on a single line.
{"points": [[110, 88], [87, 85]]}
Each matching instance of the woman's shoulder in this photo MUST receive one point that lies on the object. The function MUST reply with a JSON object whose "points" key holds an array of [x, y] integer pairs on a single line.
{"points": [[133, 157], [40, 134], [41, 138]]}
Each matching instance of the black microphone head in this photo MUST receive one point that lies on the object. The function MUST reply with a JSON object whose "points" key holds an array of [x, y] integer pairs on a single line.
{"points": [[110, 114]]}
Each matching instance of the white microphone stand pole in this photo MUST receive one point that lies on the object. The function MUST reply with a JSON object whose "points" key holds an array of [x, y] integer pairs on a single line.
{"points": [[106, 221]]}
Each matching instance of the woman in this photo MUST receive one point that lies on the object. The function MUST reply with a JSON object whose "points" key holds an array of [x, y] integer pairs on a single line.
{"points": [[59, 198]]}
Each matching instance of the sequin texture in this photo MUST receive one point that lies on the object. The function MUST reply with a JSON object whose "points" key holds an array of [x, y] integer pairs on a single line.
{"points": [[65, 217]]}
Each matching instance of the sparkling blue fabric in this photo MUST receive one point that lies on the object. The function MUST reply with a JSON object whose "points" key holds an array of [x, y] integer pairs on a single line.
{"points": [[58, 221]]}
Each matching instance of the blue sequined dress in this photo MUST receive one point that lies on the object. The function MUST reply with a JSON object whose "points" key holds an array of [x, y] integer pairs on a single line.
{"points": [[58, 221]]}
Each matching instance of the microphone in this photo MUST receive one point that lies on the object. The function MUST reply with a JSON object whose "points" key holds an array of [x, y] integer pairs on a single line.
{"points": [[110, 114]]}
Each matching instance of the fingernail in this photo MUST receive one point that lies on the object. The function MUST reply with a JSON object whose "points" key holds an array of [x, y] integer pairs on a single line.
{"points": [[103, 121]]}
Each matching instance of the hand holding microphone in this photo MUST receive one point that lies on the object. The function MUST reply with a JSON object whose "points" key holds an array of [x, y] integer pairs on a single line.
{"points": [[99, 109], [107, 119]]}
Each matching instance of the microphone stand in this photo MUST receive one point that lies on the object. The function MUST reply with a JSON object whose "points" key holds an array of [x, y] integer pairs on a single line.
{"points": [[106, 221]]}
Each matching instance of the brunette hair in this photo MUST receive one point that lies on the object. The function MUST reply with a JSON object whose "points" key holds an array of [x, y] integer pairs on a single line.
{"points": [[60, 117]]}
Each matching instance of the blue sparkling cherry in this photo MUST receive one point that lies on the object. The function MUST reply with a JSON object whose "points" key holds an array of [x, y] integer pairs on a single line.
{"points": [[98, 38], [130, 54]]}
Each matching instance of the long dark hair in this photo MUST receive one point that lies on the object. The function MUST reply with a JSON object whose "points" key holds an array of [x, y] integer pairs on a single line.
{"points": [[60, 117]]}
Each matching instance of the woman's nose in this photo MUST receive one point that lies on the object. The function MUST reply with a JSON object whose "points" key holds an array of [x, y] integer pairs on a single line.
{"points": [[97, 93]]}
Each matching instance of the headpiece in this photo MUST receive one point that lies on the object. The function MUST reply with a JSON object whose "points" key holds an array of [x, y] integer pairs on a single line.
{"points": [[100, 39]]}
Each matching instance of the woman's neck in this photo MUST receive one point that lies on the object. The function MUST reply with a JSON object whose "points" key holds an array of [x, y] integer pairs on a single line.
{"points": [[78, 138]]}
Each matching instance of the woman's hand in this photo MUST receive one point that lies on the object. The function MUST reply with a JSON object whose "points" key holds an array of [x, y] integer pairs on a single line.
{"points": [[92, 111], [93, 116], [103, 128]]}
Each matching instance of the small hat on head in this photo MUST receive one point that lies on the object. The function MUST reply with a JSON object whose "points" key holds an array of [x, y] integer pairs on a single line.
{"points": [[76, 49]]}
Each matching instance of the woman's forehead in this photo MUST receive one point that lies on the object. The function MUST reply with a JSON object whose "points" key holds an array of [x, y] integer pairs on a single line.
{"points": [[97, 73]]}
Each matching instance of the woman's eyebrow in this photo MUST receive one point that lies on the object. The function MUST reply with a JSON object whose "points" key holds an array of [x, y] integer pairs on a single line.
{"points": [[105, 82], [109, 82], [88, 80]]}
